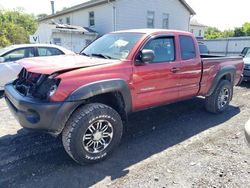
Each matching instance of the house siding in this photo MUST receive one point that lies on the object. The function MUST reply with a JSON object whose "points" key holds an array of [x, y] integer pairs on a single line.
{"points": [[128, 14], [196, 31], [103, 15], [131, 15]]}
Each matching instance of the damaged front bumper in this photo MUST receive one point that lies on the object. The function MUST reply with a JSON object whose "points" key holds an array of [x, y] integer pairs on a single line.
{"points": [[36, 114]]}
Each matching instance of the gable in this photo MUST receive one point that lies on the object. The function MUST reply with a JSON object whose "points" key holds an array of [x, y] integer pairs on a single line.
{"points": [[93, 3]]}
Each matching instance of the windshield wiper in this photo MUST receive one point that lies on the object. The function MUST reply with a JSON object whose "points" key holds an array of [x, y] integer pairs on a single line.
{"points": [[82, 53], [102, 56]]}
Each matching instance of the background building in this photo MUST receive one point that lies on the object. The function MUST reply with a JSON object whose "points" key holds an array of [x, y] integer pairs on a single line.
{"points": [[71, 37], [197, 29], [77, 26], [105, 16]]}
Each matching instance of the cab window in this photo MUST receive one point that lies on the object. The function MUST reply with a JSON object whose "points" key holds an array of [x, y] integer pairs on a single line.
{"points": [[163, 48]]}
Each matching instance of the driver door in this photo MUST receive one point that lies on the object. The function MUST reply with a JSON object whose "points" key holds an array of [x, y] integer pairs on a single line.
{"points": [[157, 83]]}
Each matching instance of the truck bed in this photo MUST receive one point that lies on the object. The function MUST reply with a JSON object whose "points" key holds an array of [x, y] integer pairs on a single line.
{"points": [[213, 64]]}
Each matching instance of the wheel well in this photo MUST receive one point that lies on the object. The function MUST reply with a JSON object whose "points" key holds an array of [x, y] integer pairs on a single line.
{"points": [[227, 77], [114, 100]]}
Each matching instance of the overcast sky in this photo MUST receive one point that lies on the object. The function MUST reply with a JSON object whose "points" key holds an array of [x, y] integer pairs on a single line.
{"points": [[223, 14]]}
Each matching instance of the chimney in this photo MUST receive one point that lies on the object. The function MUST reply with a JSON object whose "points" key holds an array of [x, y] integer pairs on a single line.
{"points": [[52, 7]]}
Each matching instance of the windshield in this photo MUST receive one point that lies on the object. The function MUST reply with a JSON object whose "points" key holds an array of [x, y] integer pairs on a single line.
{"points": [[245, 51], [113, 46], [248, 54]]}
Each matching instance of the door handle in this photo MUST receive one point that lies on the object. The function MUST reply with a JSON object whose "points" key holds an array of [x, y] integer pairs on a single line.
{"points": [[174, 70]]}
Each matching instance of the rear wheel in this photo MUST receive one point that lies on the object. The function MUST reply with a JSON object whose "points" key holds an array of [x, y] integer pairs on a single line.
{"points": [[92, 133], [220, 98]]}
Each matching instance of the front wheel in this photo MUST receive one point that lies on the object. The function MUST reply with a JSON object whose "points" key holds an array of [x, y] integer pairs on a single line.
{"points": [[219, 100], [92, 133]]}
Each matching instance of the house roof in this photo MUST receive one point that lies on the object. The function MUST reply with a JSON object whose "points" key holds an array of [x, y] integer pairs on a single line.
{"points": [[93, 3], [187, 6], [195, 23], [73, 28], [88, 4]]}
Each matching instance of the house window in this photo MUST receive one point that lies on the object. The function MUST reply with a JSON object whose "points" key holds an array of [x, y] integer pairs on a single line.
{"points": [[57, 41], [165, 21], [192, 30], [200, 33], [68, 20], [91, 18], [151, 19], [60, 21]]}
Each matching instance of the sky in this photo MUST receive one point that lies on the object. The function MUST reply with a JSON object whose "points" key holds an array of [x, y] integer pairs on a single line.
{"points": [[223, 14]]}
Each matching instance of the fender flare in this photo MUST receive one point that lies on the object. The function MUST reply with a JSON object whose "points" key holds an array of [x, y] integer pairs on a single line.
{"points": [[222, 72], [101, 87]]}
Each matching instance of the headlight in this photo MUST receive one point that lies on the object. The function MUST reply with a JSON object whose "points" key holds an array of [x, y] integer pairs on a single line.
{"points": [[47, 88], [52, 90]]}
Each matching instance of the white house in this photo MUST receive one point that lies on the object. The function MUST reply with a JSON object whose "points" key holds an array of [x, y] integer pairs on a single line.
{"points": [[71, 37], [197, 29], [105, 16]]}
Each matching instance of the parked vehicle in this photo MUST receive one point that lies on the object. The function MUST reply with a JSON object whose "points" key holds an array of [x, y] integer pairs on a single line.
{"points": [[246, 72], [9, 69], [245, 51], [88, 97], [247, 132]]}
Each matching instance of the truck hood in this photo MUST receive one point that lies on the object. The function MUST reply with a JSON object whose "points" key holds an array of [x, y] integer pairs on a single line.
{"points": [[62, 63]]}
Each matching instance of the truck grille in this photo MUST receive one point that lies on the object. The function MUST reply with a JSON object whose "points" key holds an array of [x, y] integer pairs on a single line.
{"points": [[27, 83], [247, 67]]}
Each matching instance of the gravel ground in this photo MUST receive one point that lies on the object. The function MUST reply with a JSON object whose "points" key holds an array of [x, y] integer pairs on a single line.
{"points": [[179, 145]]}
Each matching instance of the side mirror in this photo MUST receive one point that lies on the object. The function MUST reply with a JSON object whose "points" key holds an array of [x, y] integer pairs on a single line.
{"points": [[146, 56], [2, 59]]}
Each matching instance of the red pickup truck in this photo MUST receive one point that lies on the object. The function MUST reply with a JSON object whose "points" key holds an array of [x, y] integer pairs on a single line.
{"points": [[88, 97]]}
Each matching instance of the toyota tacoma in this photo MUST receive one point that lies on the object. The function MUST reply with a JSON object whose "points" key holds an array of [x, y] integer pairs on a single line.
{"points": [[87, 98]]}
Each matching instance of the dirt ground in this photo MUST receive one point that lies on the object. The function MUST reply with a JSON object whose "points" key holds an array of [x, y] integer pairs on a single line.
{"points": [[179, 145]]}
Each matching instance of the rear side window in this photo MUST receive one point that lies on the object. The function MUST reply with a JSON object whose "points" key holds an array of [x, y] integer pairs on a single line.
{"points": [[203, 49], [187, 48], [43, 51], [163, 48]]}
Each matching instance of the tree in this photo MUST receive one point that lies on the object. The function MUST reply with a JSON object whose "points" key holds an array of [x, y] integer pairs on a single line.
{"points": [[238, 32], [41, 16], [16, 26], [213, 33], [227, 33], [246, 29]]}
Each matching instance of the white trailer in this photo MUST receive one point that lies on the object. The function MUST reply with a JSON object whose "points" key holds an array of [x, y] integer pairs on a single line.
{"points": [[227, 46]]}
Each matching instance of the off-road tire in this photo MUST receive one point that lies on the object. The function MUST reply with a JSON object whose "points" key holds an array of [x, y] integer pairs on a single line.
{"points": [[77, 125], [211, 102]]}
